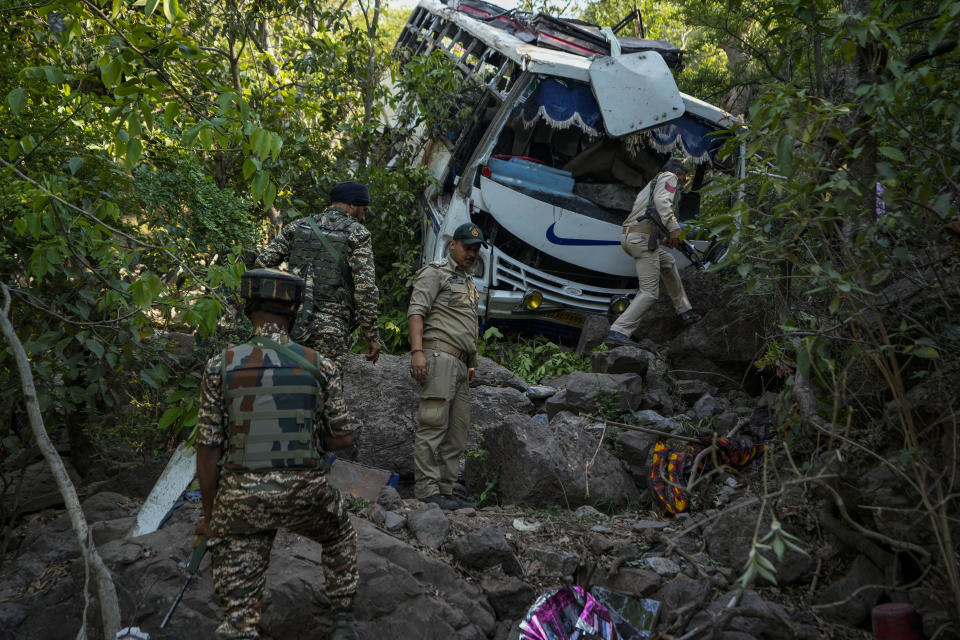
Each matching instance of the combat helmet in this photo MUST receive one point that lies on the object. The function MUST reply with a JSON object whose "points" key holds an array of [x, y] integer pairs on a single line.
{"points": [[271, 290]]}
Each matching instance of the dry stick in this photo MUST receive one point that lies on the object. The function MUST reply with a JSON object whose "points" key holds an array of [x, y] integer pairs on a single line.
{"points": [[631, 427], [586, 467], [107, 592]]}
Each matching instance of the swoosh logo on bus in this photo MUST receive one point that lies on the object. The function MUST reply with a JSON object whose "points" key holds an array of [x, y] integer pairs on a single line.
{"points": [[581, 242]]}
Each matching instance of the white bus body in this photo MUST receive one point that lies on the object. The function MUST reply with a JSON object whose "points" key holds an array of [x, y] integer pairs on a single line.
{"points": [[558, 146]]}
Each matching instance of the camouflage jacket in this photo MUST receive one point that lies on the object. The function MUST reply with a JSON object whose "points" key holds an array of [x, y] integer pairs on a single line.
{"points": [[212, 420], [360, 260]]}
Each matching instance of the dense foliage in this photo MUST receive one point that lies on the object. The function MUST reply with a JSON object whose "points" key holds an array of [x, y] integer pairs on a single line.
{"points": [[150, 147]]}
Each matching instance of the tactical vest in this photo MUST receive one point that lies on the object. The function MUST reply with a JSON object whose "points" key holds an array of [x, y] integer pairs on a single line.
{"points": [[271, 400], [321, 259]]}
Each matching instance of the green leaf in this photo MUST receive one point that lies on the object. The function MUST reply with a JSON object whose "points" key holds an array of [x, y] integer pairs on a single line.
{"points": [[115, 11], [259, 184], [54, 74], [743, 270], [169, 416], [206, 137], [110, 73], [927, 352], [75, 164], [785, 154], [170, 10], [248, 168], [95, 347], [893, 153], [133, 151], [170, 112], [270, 195], [150, 7], [17, 99]]}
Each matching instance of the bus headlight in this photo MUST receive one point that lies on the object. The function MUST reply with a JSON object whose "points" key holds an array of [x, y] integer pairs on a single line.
{"points": [[618, 305], [532, 300]]}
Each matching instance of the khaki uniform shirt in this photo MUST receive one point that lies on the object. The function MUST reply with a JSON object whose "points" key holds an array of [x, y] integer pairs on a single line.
{"points": [[444, 294], [664, 196]]}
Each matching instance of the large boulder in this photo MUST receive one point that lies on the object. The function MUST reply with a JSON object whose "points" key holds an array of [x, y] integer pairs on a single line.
{"points": [[730, 537], [622, 360], [383, 399], [556, 463], [583, 391], [38, 489], [403, 592], [491, 374], [488, 405], [850, 599]]}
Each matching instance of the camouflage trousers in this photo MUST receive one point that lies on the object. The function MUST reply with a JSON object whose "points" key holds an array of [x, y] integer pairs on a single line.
{"points": [[327, 335], [248, 509]]}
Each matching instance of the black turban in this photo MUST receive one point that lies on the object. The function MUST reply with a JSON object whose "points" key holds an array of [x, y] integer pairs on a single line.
{"points": [[350, 193]]}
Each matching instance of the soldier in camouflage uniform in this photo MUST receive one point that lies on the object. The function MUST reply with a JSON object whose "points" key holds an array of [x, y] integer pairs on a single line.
{"points": [[269, 409], [332, 251]]}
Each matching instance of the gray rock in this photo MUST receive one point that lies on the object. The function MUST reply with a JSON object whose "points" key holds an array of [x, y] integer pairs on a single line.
{"points": [[634, 452], [480, 549], [650, 418], [383, 399], [726, 421], [39, 490], [593, 333], [599, 544], [389, 499], [633, 581], [692, 390], [509, 597], [393, 522], [491, 374], [730, 536], [547, 465], [488, 405], [663, 566], [852, 610], [622, 360], [552, 563], [767, 620], [429, 525], [584, 390], [108, 530], [107, 506], [682, 590], [649, 525], [706, 406], [589, 512]]}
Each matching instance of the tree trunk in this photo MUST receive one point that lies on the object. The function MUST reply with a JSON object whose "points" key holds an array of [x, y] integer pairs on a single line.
{"points": [[106, 591]]}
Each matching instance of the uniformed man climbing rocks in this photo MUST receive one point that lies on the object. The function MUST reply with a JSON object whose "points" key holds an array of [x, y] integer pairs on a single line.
{"points": [[442, 319], [269, 410], [332, 252]]}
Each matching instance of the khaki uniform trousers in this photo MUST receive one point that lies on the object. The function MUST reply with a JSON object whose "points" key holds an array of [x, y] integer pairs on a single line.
{"points": [[443, 418], [651, 266]]}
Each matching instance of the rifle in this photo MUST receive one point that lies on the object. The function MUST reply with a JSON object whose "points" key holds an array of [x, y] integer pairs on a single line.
{"points": [[199, 550], [651, 214]]}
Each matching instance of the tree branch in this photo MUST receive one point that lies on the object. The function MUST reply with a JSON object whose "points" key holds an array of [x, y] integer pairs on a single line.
{"points": [[106, 590]]}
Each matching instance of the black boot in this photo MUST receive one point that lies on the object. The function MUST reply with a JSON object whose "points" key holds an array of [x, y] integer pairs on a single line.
{"points": [[342, 628], [690, 317]]}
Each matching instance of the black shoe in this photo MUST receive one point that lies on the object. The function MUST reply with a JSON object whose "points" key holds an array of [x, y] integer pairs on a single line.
{"points": [[343, 628], [690, 317], [462, 503], [447, 503], [618, 339]]}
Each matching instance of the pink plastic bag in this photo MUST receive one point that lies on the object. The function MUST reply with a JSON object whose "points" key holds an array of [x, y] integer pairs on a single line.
{"points": [[567, 614]]}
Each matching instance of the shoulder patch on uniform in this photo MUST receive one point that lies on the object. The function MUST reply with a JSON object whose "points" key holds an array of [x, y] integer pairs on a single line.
{"points": [[437, 263]]}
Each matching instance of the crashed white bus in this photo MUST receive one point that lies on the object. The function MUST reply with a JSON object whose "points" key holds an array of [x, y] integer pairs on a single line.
{"points": [[568, 123]]}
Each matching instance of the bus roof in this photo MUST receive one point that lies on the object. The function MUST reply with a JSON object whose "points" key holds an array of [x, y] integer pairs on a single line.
{"points": [[561, 64]]}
